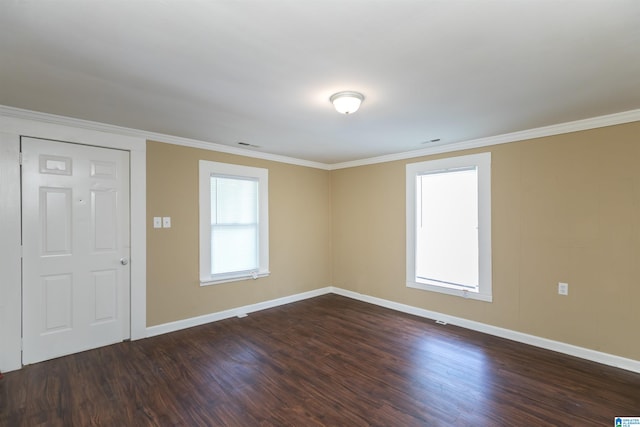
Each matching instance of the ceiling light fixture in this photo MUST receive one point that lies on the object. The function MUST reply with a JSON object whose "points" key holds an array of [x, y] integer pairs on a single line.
{"points": [[346, 102]]}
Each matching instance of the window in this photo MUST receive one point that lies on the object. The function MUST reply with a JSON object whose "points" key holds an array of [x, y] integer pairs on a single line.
{"points": [[234, 222], [449, 226]]}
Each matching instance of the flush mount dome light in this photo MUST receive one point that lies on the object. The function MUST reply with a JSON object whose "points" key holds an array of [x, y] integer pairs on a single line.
{"points": [[346, 102]]}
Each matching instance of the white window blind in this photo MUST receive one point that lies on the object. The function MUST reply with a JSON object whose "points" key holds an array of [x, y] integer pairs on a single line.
{"points": [[447, 230], [234, 225]]}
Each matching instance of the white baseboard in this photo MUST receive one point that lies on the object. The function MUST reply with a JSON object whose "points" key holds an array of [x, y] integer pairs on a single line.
{"points": [[572, 350], [234, 312]]}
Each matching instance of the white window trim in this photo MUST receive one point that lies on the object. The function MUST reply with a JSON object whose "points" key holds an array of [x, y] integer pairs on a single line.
{"points": [[483, 163], [206, 170]]}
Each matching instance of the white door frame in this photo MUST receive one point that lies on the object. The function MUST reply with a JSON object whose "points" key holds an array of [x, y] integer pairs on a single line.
{"points": [[11, 129]]}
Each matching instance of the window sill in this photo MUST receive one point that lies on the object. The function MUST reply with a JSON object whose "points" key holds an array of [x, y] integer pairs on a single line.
{"points": [[451, 291], [233, 278]]}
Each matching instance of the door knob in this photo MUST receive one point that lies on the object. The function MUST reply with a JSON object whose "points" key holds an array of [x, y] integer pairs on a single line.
{"points": [[124, 260]]}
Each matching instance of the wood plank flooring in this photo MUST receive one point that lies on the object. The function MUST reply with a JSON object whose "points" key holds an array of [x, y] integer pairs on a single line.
{"points": [[327, 361]]}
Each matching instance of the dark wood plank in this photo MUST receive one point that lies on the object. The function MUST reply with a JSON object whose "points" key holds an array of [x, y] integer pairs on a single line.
{"points": [[328, 361]]}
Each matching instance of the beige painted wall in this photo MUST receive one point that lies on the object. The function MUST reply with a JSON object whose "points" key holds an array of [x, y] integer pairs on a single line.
{"points": [[564, 208], [299, 227]]}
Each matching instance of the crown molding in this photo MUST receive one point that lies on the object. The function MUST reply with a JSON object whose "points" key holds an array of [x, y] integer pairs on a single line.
{"points": [[19, 113], [557, 129]]}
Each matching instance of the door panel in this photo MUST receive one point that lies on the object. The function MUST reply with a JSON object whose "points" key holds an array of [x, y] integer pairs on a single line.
{"points": [[75, 227], [104, 207], [55, 217], [105, 285], [57, 302]]}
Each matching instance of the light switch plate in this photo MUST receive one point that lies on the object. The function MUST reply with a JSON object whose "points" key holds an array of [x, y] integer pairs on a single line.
{"points": [[157, 222], [563, 288], [166, 222]]}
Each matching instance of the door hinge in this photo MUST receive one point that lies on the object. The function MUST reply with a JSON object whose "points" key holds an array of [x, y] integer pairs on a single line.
{"points": [[20, 158]]}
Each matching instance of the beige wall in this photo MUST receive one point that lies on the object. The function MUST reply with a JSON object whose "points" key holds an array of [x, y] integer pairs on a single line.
{"points": [[299, 227], [564, 208]]}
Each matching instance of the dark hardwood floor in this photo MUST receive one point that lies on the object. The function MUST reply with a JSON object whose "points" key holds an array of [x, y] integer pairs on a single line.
{"points": [[327, 361]]}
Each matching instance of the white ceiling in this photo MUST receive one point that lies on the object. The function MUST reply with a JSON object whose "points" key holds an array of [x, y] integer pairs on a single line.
{"points": [[262, 71]]}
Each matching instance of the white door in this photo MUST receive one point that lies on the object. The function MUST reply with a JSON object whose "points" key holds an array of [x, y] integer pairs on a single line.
{"points": [[75, 236]]}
